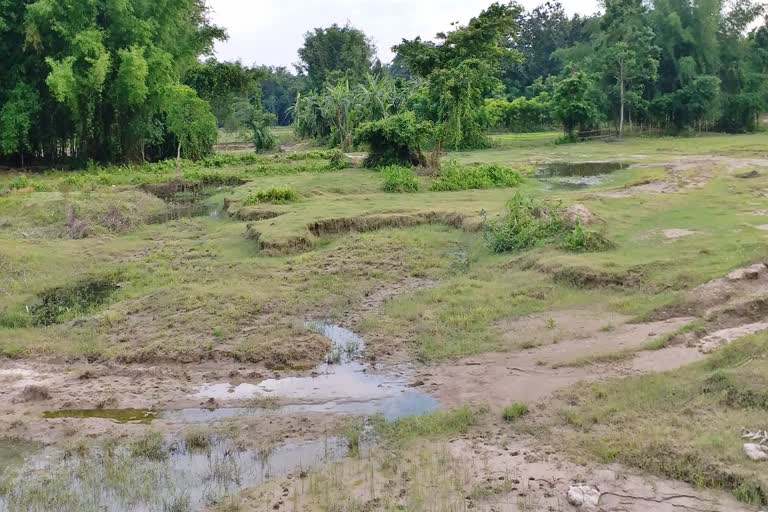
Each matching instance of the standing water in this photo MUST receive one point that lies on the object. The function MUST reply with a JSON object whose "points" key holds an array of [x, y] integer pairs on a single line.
{"points": [[574, 176], [186, 475]]}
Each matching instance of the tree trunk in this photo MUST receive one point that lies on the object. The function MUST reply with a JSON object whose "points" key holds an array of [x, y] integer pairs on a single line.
{"points": [[178, 161], [21, 154], [621, 99]]}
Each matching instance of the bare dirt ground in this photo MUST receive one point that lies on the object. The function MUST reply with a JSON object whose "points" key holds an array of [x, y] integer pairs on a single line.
{"points": [[689, 172], [532, 375]]}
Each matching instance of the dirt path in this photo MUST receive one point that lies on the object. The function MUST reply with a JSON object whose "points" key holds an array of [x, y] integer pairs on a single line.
{"points": [[532, 375]]}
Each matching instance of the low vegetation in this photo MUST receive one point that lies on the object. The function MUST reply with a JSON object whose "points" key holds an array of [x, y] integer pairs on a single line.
{"points": [[274, 195], [685, 424], [514, 411], [454, 177], [399, 179], [530, 223]]}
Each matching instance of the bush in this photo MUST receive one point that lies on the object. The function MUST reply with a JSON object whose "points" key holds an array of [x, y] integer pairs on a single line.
{"points": [[529, 223], [476, 176], [579, 239], [399, 179], [514, 411], [396, 140], [272, 195], [23, 182]]}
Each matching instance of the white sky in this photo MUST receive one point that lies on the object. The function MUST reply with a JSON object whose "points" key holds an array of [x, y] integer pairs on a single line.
{"points": [[271, 31]]}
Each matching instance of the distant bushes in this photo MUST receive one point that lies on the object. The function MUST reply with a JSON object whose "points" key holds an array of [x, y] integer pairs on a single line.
{"points": [[399, 179], [476, 176], [275, 195], [529, 223]]}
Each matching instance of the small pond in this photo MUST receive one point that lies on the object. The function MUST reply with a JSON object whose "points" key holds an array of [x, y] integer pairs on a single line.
{"points": [[576, 175]]}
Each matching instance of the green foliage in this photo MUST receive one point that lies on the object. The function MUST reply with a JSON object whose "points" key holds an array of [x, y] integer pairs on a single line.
{"points": [[22, 182], [461, 71], [329, 54], [87, 80], [579, 239], [261, 123], [573, 103], [521, 114], [396, 140], [56, 304], [475, 176], [275, 195], [438, 423], [530, 223], [514, 411], [191, 121], [399, 179]]}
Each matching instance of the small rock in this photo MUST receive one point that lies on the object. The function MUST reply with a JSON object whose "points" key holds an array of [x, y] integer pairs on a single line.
{"points": [[33, 393], [748, 175], [756, 452], [416, 384], [583, 496]]}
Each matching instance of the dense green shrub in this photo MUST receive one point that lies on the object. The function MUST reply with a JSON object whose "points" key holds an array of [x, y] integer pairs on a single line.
{"points": [[579, 239], [23, 181], [529, 223], [272, 195], [399, 179], [396, 140], [475, 176]]}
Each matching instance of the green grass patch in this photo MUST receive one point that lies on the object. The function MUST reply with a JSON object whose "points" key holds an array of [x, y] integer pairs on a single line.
{"points": [[475, 176], [399, 179], [274, 195], [434, 424], [514, 411], [684, 424]]}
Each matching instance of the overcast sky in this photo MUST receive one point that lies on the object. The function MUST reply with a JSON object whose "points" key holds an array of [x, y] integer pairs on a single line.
{"points": [[271, 31]]}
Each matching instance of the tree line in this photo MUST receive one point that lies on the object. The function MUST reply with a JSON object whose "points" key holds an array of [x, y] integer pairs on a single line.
{"points": [[123, 80]]}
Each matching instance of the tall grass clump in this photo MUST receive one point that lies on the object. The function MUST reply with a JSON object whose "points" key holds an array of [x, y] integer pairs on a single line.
{"points": [[578, 239], [514, 411], [476, 176], [275, 195], [399, 179], [530, 223]]}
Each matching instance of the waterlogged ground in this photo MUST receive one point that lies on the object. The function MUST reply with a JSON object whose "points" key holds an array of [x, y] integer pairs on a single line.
{"points": [[168, 344]]}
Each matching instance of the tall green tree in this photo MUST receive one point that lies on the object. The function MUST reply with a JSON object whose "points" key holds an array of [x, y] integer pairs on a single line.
{"points": [[461, 70], [335, 52], [627, 55], [98, 72]]}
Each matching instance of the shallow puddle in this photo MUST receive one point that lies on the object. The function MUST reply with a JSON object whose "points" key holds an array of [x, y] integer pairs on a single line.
{"points": [[118, 415], [187, 479], [343, 384], [573, 176], [188, 204], [179, 478]]}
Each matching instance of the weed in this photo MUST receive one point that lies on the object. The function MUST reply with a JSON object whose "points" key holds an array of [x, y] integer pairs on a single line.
{"points": [[275, 195], [529, 223], [399, 179], [197, 439], [149, 446], [514, 411], [579, 239], [476, 176]]}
